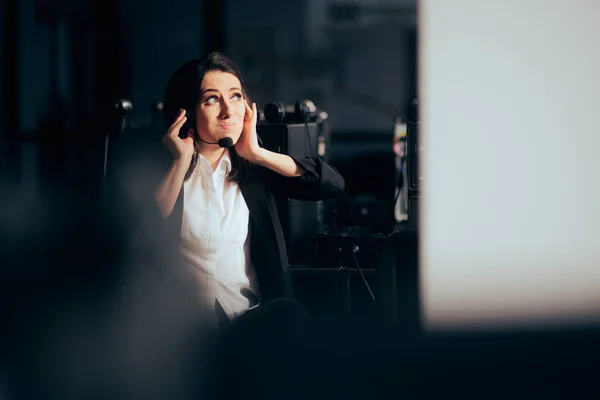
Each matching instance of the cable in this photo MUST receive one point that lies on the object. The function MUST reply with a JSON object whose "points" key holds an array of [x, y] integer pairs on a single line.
{"points": [[354, 251]]}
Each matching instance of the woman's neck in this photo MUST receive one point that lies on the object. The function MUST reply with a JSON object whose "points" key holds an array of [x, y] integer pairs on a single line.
{"points": [[211, 152]]}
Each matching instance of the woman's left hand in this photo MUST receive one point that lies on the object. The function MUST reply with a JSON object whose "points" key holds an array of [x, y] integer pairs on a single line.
{"points": [[247, 145]]}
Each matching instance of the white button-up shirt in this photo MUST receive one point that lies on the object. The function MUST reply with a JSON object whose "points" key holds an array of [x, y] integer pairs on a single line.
{"points": [[215, 240]]}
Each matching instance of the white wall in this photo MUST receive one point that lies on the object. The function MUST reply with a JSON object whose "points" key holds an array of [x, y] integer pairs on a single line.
{"points": [[511, 220]]}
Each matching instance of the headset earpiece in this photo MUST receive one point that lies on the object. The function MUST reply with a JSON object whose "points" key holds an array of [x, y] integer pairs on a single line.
{"points": [[274, 112], [190, 120], [301, 112]]}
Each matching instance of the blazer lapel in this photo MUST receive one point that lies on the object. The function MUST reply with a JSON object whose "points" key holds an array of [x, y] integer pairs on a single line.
{"points": [[255, 197], [266, 244]]}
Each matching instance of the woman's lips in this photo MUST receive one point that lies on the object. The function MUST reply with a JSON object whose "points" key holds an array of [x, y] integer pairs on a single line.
{"points": [[226, 126]]}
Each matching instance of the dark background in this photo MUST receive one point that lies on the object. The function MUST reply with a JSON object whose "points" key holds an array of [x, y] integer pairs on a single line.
{"points": [[66, 62]]}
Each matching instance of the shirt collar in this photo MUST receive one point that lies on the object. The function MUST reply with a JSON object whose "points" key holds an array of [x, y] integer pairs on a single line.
{"points": [[224, 163]]}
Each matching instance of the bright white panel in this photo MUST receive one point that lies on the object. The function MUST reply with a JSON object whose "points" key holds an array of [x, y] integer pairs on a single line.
{"points": [[510, 91]]}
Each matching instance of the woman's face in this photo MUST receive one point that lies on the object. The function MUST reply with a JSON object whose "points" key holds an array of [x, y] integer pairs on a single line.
{"points": [[221, 109]]}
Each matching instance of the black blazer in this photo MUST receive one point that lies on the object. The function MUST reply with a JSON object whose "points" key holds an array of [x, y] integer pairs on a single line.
{"points": [[139, 163]]}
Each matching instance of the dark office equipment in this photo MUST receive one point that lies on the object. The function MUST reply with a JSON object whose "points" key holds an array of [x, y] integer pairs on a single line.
{"points": [[299, 219]]}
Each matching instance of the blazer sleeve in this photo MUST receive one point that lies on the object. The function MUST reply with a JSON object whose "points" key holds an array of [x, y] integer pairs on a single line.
{"points": [[320, 181]]}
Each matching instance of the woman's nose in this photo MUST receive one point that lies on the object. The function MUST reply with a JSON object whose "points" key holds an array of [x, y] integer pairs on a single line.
{"points": [[225, 108]]}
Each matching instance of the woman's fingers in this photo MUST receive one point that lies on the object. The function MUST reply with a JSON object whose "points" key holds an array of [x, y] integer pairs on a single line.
{"points": [[189, 138], [248, 111], [178, 123]]}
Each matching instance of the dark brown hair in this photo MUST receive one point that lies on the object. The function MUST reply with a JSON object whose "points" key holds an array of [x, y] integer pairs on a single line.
{"points": [[183, 91]]}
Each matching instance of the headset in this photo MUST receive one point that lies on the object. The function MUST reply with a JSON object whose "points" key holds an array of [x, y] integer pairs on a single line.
{"points": [[303, 111], [187, 125], [190, 120]]}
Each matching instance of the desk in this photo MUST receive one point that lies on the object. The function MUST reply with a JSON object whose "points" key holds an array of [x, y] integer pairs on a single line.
{"points": [[390, 261]]}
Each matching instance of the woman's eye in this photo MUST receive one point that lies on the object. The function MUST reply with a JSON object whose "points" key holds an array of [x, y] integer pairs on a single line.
{"points": [[238, 96], [211, 100]]}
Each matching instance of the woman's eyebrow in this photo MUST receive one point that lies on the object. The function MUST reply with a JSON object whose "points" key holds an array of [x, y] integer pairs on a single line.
{"points": [[215, 90]]}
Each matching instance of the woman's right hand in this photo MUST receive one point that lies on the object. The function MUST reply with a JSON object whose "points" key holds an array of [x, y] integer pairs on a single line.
{"points": [[181, 149]]}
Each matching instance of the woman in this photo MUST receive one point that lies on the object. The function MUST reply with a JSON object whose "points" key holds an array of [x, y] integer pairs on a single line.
{"points": [[218, 203], [221, 199]]}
